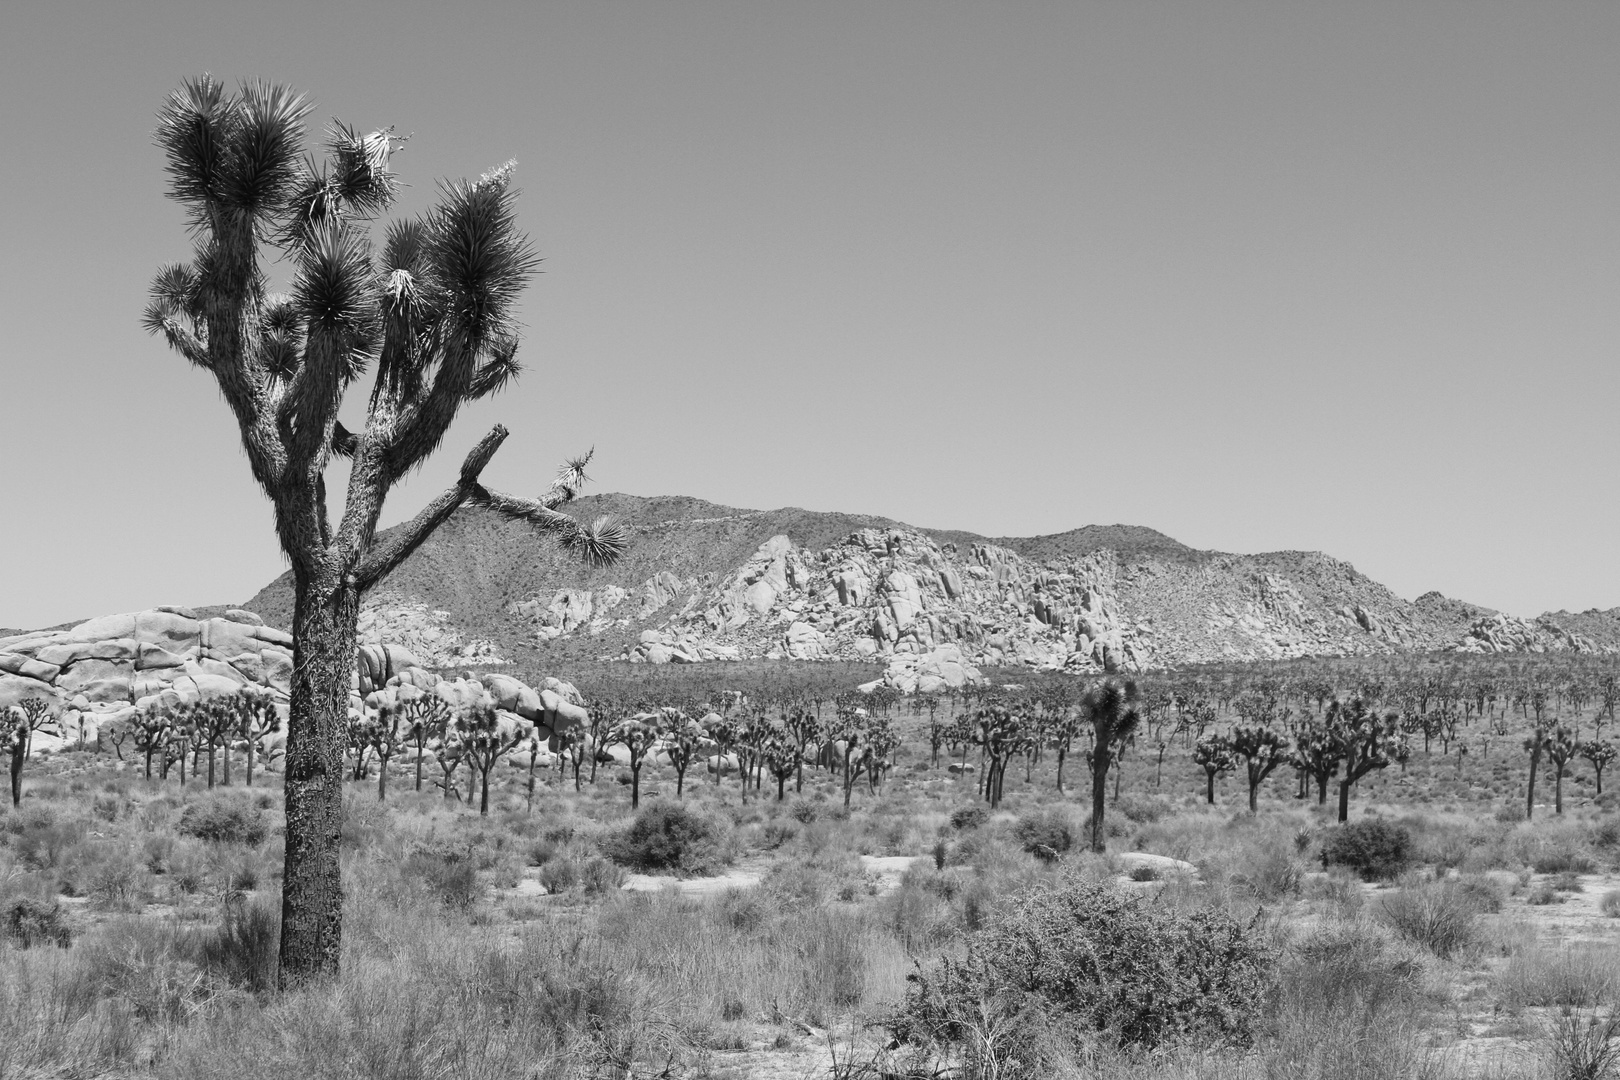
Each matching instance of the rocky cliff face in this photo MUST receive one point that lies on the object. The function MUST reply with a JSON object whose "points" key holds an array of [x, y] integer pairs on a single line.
{"points": [[705, 582]]}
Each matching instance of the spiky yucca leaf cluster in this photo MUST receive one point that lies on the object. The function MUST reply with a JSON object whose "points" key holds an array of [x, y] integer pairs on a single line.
{"points": [[433, 308]]}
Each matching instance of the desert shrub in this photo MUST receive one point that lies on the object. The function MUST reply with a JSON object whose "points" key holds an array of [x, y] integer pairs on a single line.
{"points": [[1340, 887], [1486, 894], [598, 875], [450, 876], [807, 884], [1046, 834], [1510, 813], [1575, 978], [1584, 1047], [1567, 881], [221, 817], [30, 922], [1561, 860], [969, 817], [1272, 874], [1143, 809], [559, 874], [43, 841], [242, 950], [1144, 872], [114, 881], [150, 965], [1377, 850], [668, 836], [1543, 895], [106, 807], [543, 851], [157, 851], [1607, 833], [1437, 915], [777, 833], [1086, 953], [803, 811], [1610, 904]]}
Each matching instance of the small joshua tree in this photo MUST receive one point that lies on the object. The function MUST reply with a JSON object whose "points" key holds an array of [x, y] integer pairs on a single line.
{"points": [[1560, 748], [684, 739], [486, 737], [150, 735], [1601, 754], [216, 722], [878, 754], [1366, 742], [388, 732], [1110, 708], [1214, 755], [22, 720], [1001, 733], [849, 729], [1317, 755], [781, 754], [637, 734], [803, 725], [256, 718], [425, 717], [1262, 750]]}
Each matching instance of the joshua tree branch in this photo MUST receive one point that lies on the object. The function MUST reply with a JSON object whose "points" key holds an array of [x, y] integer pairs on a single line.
{"points": [[413, 533]]}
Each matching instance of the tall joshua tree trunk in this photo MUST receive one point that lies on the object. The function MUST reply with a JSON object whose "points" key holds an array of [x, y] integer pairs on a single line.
{"points": [[431, 312], [325, 615]]}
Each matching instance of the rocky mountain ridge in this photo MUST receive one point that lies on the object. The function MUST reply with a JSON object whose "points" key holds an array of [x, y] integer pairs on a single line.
{"points": [[705, 582]]}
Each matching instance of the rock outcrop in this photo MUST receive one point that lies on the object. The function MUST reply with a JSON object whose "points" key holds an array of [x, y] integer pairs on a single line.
{"points": [[105, 668], [703, 582]]}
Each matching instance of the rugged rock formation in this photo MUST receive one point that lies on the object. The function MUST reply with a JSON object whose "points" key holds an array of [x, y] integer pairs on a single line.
{"points": [[705, 582]]}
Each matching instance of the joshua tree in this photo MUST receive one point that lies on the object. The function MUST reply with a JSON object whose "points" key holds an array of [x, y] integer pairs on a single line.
{"points": [[1262, 750], [780, 753], [215, 721], [1110, 708], [426, 717], [434, 308], [388, 732], [684, 738], [485, 739], [1601, 755], [802, 724], [151, 736], [255, 718], [1214, 755], [850, 729], [1561, 748], [1365, 742], [1063, 725], [21, 721], [878, 754], [637, 734], [1317, 755]]}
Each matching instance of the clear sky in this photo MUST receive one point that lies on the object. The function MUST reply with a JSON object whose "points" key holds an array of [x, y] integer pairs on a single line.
{"points": [[1287, 275]]}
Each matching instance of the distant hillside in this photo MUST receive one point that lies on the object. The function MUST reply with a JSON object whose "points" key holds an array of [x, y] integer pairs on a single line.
{"points": [[704, 581]]}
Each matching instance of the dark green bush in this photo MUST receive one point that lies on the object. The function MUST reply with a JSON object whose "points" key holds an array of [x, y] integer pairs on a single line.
{"points": [[969, 817], [224, 818], [1080, 953], [31, 922], [1562, 860], [1046, 834], [667, 836], [1375, 849]]}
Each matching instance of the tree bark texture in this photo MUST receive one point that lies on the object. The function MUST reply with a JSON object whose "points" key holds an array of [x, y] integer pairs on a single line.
{"points": [[325, 616]]}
